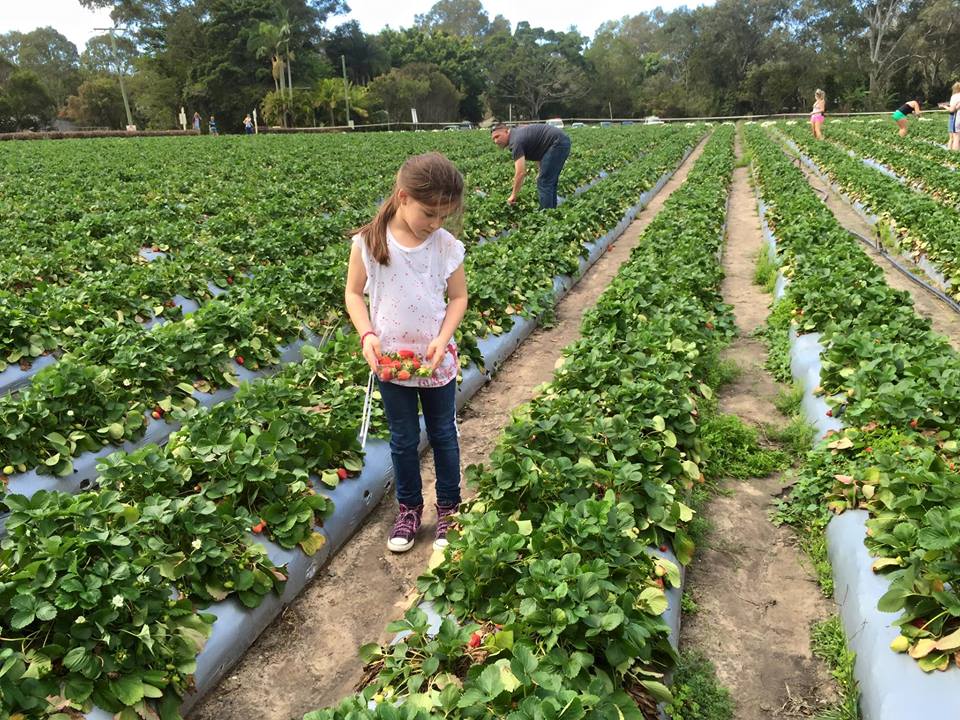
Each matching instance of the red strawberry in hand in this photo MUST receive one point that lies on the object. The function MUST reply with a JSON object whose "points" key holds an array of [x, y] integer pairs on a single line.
{"points": [[403, 375], [407, 354], [386, 374]]}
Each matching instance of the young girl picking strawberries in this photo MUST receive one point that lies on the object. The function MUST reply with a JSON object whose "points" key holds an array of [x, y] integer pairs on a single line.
{"points": [[412, 269]]}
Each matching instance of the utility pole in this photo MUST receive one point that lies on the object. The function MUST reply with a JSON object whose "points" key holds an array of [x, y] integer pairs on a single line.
{"points": [[346, 86], [116, 59], [610, 108]]}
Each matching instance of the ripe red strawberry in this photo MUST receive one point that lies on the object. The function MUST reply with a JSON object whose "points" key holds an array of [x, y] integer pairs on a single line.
{"points": [[416, 364], [663, 548], [156, 414], [259, 527], [386, 374], [868, 449], [918, 623], [475, 640], [342, 473], [403, 375], [914, 423], [829, 413], [407, 354], [709, 325], [239, 359], [230, 280]]}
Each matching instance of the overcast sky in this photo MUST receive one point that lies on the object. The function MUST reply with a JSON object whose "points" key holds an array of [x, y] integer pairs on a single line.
{"points": [[78, 23]]}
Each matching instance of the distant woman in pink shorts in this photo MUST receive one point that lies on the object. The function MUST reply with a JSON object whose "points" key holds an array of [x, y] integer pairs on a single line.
{"points": [[816, 115]]}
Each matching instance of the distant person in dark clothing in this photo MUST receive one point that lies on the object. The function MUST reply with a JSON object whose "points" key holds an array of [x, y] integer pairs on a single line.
{"points": [[545, 144]]}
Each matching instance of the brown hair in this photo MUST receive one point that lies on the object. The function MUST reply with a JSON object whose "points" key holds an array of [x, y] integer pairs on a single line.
{"points": [[956, 87], [430, 179]]}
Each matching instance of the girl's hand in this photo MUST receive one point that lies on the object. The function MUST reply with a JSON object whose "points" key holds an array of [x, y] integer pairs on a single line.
{"points": [[371, 352], [435, 352], [512, 200]]}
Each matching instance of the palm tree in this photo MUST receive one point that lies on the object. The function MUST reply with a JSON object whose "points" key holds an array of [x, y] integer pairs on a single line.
{"points": [[328, 94], [265, 43], [286, 30]]}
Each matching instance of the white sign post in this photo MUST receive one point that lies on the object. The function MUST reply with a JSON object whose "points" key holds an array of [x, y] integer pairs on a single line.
{"points": [[256, 126], [413, 115], [183, 118]]}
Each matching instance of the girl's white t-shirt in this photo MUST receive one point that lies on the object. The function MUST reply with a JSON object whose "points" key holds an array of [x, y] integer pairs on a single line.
{"points": [[954, 99], [408, 298]]}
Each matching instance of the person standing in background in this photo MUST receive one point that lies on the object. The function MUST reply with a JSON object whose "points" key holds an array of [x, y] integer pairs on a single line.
{"points": [[952, 106], [816, 115]]}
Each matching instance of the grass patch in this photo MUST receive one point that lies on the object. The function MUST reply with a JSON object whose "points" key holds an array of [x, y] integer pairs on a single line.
{"points": [[688, 605], [722, 372], [828, 642], [814, 545], [733, 450], [788, 401], [776, 336], [765, 274], [697, 694], [796, 437]]}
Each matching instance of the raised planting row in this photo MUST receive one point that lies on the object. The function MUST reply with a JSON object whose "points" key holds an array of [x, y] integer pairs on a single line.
{"points": [[92, 206], [107, 389], [912, 144], [552, 598], [917, 224], [99, 626], [51, 308], [887, 377], [931, 177]]}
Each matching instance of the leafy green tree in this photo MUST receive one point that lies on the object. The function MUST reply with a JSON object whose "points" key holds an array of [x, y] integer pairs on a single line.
{"points": [[99, 58], [620, 58], [465, 18], [419, 85], [98, 103], [365, 56], [534, 70], [459, 59], [25, 103], [50, 55]]}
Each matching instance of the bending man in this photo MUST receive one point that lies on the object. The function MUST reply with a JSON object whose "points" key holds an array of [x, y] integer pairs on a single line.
{"points": [[545, 144]]}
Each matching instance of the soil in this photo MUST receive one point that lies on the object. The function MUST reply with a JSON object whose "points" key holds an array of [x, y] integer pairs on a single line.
{"points": [[757, 600], [307, 658], [943, 318]]}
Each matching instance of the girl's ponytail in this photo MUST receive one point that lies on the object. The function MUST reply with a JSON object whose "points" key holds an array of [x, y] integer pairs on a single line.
{"points": [[374, 233]]}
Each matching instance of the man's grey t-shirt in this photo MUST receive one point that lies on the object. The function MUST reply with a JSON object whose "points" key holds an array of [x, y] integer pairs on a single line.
{"points": [[533, 141]]}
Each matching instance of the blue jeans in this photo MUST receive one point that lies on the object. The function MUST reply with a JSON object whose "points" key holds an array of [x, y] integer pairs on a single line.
{"points": [[550, 166], [439, 415]]}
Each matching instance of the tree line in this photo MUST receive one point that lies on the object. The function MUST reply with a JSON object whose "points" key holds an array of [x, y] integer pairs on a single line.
{"points": [[226, 57]]}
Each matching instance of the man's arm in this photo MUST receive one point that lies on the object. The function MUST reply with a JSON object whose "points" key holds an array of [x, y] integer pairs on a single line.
{"points": [[519, 171]]}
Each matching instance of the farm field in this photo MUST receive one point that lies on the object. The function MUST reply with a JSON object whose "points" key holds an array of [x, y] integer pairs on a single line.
{"points": [[177, 372]]}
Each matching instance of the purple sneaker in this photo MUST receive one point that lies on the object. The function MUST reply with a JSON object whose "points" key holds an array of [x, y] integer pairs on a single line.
{"points": [[445, 516], [405, 528]]}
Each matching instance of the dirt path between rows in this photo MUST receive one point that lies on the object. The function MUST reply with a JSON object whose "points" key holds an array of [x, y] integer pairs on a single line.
{"points": [[943, 319], [756, 598], [307, 658]]}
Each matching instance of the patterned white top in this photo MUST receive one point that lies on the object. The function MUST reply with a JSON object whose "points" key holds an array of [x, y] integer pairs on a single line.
{"points": [[408, 298]]}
